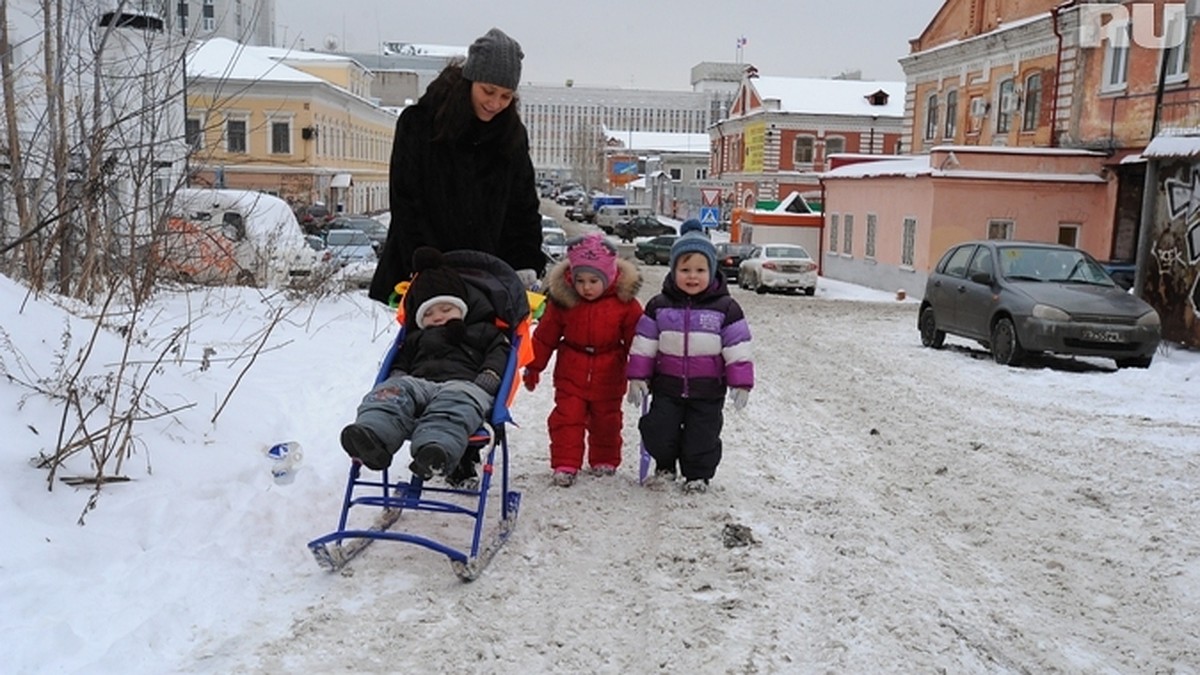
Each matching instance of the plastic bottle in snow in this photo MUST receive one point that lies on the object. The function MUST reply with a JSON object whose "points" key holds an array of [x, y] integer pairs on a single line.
{"points": [[285, 459]]}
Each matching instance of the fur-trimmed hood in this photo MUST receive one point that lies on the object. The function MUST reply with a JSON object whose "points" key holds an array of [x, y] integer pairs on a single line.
{"points": [[562, 291]]}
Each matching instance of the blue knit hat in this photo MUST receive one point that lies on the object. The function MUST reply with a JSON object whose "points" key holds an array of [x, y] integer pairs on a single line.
{"points": [[691, 225], [695, 242]]}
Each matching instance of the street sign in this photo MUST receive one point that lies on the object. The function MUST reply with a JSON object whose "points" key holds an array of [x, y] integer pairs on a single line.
{"points": [[711, 196], [710, 216]]}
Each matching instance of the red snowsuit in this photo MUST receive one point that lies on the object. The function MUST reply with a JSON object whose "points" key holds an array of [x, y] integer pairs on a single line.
{"points": [[592, 339]]}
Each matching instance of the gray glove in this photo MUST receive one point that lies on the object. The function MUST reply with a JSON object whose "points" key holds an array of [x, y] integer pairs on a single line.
{"points": [[738, 397], [638, 390], [529, 278], [488, 381]]}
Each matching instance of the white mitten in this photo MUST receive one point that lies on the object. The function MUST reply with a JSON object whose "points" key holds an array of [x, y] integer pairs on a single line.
{"points": [[529, 278], [738, 397]]}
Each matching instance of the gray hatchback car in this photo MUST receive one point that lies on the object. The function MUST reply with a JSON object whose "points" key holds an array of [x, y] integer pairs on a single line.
{"points": [[1022, 298]]}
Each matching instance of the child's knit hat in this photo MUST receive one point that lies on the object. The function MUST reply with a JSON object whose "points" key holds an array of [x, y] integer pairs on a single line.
{"points": [[433, 284], [694, 242], [691, 225], [593, 253], [494, 58]]}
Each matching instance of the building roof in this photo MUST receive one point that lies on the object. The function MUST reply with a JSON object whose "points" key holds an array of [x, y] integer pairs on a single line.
{"points": [[662, 141], [225, 59], [831, 97]]}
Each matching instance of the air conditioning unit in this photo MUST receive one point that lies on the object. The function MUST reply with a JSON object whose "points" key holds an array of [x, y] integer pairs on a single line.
{"points": [[1010, 104], [979, 107]]}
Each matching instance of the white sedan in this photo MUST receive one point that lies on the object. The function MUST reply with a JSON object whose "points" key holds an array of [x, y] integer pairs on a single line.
{"points": [[778, 267]]}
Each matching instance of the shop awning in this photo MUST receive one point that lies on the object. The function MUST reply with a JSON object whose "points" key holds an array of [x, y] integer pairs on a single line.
{"points": [[340, 180]]}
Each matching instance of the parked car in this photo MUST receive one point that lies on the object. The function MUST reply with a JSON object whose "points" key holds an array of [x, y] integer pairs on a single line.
{"points": [[554, 243], [730, 256], [778, 267], [346, 246], [570, 197], [1121, 272], [642, 226], [656, 250], [313, 217], [577, 212], [375, 230], [1022, 298]]}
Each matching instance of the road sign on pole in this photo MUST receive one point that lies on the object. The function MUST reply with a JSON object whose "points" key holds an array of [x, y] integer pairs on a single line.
{"points": [[711, 196], [710, 216]]}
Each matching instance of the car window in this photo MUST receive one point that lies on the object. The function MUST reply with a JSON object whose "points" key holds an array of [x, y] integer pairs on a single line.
{"points": [[786, 252], [981, 263], [348, 238], [956, 263]]}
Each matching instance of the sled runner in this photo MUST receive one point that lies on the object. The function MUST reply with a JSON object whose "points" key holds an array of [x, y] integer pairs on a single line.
{"points": [[463, 497]]}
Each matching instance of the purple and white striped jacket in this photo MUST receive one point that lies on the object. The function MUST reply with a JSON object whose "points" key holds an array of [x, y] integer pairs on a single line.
{"points": [[692, 346]]}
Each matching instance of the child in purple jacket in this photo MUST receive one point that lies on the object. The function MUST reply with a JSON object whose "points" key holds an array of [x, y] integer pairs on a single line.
{"points": [[692, 343]]}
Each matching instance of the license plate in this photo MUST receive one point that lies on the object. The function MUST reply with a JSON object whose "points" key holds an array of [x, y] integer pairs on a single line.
{"points": [[1101, 336]]}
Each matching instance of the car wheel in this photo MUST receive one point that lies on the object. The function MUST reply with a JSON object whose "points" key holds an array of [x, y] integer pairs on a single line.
{"points": [[810, 291], [1141, 362], [758, 286], [1006, 348], [930, 335]]}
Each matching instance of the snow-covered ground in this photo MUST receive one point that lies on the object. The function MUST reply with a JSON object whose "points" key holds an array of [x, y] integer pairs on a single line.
{"points": [[911, 510]]}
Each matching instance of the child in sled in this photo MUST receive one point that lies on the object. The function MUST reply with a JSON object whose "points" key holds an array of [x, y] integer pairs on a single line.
{"points": [[444, 378], [590, 316], [692, 343]]}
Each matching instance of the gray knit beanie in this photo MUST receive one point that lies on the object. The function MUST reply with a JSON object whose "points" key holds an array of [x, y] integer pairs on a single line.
{"points": [[494, 58]]}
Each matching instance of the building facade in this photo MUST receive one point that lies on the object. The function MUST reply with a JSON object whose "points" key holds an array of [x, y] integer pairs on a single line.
{"points": [[262, 120]]}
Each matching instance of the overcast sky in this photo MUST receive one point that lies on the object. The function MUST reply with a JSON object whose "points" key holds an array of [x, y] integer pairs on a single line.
{"points": [[645, 44]]}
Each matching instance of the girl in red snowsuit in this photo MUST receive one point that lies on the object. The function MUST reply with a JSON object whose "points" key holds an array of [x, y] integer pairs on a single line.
{"points": [[590, 320]]}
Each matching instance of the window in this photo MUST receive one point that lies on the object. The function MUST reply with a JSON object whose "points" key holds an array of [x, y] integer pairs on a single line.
{"points": [[872, 219], [193, 133], [1116, 59], [833, 228], [1177, 57], [956, 263], [1033, 102], [951, 115], [931, 117], [701, 174], [235, 135], [1007, 99], [848, 235], [908, 244], [181, 11], [209, 15], [833, 146], [676, 174], [1068, 234], [804, 150], [981, 263], [281, 138], [1000, 229]]}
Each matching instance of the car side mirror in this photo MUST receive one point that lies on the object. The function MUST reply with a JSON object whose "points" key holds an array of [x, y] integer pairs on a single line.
{"points": [[984, 278]]}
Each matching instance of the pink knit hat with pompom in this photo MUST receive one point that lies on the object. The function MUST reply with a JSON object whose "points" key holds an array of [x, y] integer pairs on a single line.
{"points": [[593, 253]]}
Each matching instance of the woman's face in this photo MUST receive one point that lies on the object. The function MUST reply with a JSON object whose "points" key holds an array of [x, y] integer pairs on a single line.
{"points": [[489, 100]]}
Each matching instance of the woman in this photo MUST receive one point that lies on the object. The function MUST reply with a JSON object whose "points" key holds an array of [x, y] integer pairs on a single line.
{"points": [[461, 176]]}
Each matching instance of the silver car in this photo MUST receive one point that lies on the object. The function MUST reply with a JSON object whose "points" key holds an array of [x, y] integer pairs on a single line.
{"points": [[1021, 298]]}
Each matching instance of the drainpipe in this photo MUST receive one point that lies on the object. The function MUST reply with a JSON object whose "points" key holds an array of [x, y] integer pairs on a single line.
{"points": [[1058, 57]]}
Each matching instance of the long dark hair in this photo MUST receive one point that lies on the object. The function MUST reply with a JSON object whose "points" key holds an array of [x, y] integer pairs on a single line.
{"points": [[449, 95]]}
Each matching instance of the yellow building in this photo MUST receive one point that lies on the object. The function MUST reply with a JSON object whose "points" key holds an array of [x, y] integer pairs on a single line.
{"points": [[298, 125]]}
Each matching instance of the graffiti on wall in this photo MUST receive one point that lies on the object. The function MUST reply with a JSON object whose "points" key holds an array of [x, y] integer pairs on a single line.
{"points": [[1173, 281]]}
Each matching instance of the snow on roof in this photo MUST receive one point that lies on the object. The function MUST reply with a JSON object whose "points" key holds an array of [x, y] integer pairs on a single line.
{"points": [[661, 141], [1009, 150], [225, 59], [415, 49], [919, 166], [1171, 145], [831, 97]]}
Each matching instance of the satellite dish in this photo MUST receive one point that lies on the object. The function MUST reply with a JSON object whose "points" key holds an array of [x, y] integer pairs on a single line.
{"points": [[331, 43]]}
